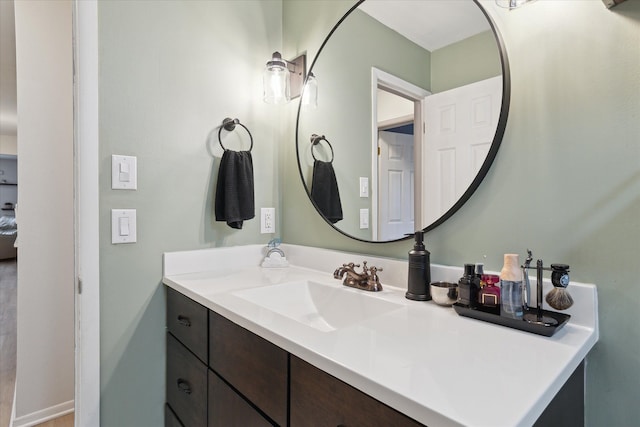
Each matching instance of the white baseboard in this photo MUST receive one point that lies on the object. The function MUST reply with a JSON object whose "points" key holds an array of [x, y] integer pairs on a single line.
{"points": [[44, 415]]}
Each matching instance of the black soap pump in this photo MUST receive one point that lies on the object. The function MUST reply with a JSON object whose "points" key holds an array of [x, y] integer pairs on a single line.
{"points": [[419, 271]]}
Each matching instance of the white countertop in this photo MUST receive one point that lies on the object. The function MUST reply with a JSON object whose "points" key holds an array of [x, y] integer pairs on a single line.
{"points": [[421, 359]]}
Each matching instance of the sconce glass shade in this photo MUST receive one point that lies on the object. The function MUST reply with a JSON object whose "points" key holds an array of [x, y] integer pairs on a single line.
{"points": [[310, 93], [275, 80]]}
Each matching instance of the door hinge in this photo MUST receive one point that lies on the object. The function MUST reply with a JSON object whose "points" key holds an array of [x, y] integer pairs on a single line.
{"points": [[79, 286], [378, 150], [424, 127]]}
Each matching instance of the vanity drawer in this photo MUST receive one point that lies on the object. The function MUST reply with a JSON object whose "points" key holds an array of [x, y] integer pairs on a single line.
{"points": [[319, 399], [187, 321], [251, 364], [186, 384], [228, 409]]}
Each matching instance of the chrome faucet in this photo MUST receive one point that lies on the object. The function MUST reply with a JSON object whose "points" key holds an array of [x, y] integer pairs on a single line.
{"points": [[367, 280]]}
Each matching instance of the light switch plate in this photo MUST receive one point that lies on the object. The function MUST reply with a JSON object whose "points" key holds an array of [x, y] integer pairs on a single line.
{"points": [[364, 219], [364, 186], [123, 226], [124, 172]]}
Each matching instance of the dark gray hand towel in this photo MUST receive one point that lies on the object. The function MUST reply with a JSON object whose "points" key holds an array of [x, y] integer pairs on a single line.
{"points": [[234, 192], [324, 191]]}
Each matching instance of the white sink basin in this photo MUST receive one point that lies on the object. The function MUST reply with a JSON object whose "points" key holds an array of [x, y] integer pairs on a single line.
{"points": [[323, 307]]}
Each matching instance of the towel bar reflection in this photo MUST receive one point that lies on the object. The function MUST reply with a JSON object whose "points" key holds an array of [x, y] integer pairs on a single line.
{"points": [[229, 125], [315, 140]]}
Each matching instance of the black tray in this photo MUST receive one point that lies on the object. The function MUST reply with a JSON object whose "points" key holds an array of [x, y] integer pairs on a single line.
{"points": [[521, 324]]}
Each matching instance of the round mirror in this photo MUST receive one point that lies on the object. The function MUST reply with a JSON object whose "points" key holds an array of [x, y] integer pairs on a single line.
{"points": [[412, 102]]}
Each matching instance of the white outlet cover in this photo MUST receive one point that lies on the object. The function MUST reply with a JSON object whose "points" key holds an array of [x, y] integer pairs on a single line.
{"points": [[267, 220]]}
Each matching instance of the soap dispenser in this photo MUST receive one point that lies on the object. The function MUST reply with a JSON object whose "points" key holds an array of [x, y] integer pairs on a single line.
{"points": [[419, 271]]}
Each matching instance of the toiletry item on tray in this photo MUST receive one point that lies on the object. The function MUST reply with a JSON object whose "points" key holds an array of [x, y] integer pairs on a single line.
{"points": [[513, 311]]}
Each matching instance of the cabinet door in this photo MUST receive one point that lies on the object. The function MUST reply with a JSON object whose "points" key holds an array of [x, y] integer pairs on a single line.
{"points": [[170, 419], [228, 409], [251, 364], [186, 384], [187, 321], [318, 399]]}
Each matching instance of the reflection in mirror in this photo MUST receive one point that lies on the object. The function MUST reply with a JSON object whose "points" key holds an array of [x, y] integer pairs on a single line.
{"points": [[414, 101]]}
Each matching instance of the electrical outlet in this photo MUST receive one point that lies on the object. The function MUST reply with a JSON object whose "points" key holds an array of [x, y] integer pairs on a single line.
{"points": [[267, 220]]}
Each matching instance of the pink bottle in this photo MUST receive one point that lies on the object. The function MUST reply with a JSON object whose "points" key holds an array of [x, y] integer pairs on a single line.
{"points": [[489, 295]]}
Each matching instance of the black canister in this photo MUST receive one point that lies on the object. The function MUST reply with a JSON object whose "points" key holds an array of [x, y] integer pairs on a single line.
{"points": [[468, 287], [419, 271]]}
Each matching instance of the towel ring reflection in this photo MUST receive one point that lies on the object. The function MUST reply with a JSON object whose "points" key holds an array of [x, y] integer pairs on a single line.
{"points": [[229, 124], [315, 140]]}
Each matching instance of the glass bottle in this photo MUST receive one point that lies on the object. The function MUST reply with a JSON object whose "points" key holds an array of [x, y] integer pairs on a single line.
{"points": [[489, 295], [511, 287], [468, 287]]}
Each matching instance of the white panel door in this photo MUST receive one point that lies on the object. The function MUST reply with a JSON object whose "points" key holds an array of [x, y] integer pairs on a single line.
{"points": [[396, 171], [460, 125]]}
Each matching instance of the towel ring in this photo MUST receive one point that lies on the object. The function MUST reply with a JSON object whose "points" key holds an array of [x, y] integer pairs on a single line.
{"points": [[229, 124], [315, 140]]}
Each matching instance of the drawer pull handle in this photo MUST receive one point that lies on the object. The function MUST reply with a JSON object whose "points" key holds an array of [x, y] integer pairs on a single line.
{"points": [[184, 321], [184, 386]]}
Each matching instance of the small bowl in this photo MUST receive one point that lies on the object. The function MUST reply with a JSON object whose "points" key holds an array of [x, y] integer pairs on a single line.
{"points": [[444, 293]]}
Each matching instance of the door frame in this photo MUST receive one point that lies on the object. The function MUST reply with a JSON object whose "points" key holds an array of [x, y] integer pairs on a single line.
{"points": [[86, 222], [391, 83]]}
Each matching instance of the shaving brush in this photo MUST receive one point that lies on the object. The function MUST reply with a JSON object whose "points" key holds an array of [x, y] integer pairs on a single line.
{"points": [[559, 298]]}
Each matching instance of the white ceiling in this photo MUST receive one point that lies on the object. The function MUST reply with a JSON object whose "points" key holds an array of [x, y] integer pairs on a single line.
{"points": [[431, 24], [8, 107]]}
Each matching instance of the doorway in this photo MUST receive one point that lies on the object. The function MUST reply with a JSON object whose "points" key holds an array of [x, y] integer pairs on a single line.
{"points": [[396, 197]]}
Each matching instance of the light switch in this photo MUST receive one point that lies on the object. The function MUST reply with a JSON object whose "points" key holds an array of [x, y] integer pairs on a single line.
{"points": [[124, 172], [364, 186], [123, 226], [364, 219], [124, 175]]}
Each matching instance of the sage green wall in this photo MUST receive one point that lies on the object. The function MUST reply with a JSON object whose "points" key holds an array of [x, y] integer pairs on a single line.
{"points": [[480, 50], [170, 72], [565, 183], [344, 107]]}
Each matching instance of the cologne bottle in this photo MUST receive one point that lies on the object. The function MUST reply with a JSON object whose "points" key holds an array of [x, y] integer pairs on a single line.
{"points": [[468, 287], [511, 288], [489, 295]]}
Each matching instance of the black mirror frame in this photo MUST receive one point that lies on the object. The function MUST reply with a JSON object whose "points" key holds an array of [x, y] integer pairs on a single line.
{"points": [[493, 151]]}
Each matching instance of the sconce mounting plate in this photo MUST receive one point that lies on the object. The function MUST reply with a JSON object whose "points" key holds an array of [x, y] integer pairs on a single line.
{"points": [[298, 71]]}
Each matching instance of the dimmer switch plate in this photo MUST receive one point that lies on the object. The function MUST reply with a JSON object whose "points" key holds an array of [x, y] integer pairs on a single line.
{"points": [[124, 172], [364, 219], [364, 186], [123, 226]]}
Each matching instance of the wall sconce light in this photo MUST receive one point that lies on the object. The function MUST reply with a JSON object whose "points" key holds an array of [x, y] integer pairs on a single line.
{"points": [[310, 92], [282, 80], [511, 4]]}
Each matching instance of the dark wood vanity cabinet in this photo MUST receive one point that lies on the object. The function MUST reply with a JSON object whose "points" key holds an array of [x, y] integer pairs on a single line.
{"points": [[319, 399], [228, 409], [222, 375], [254, 366], [196, 395], [240, 379]]}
